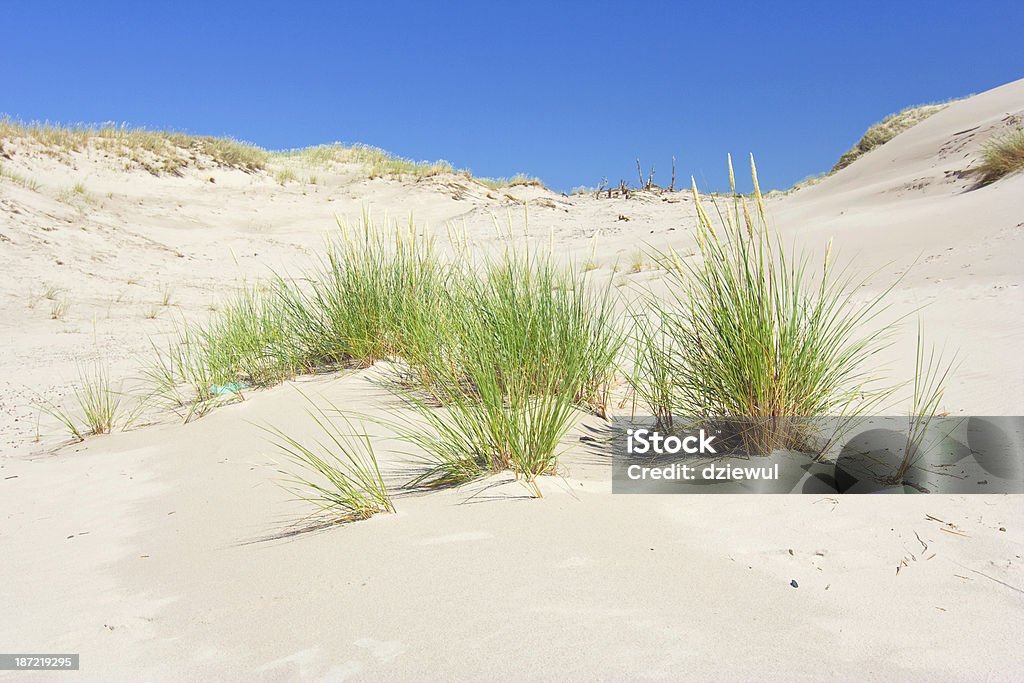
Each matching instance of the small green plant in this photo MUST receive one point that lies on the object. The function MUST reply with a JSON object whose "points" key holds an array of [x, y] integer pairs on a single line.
{"points": [[18, 179], [592, 263], [338, 473], [636, 262], [98, 402], [250, 340], [285, 176], [930, 375], [58, 307], [1000, 157], [75, 194]]}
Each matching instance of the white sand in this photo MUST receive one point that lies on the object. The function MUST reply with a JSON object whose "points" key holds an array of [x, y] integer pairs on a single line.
{"points": [[146, 550]]}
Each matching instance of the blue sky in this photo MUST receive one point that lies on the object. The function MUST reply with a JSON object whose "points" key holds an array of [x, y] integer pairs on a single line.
{"points": [[567, 91]]}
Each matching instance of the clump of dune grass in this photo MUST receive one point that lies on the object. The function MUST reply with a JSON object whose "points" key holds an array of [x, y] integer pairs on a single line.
{"points": [[637, 262], [58, 308], [497, 357], [285, 176], [18, 179], [184, 376], [930, 374], [518, 180], [749, 332], [371, 297], [250, 340], [360, 303], [529, 345], [1000, 157], [155, 151], [98, 403], [337, 473]]}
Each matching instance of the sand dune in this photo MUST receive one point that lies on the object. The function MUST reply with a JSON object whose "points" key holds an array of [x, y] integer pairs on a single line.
{"points": [[162, 552]]}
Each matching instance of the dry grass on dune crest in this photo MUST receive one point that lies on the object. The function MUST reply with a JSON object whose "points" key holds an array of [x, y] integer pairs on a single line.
{"points": [[518, 180], [875, 136], [159, 152], [169, 153], [378, 163], [887, 129]]}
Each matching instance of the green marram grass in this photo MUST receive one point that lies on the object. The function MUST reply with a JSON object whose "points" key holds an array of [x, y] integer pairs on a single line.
{"points": [[930, 374], [366, 299], [751, 333], [497, 356], [510, 349], [99, 405], [337, 473], [527, 345]]}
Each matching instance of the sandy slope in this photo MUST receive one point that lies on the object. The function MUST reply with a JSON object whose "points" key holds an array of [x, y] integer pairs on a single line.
{"points": [[910, 199], [152, 551]]}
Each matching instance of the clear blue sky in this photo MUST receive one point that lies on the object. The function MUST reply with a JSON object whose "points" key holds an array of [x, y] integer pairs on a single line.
{"points": [[567, 91]]}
